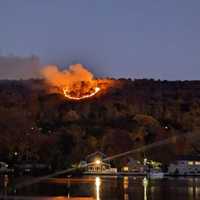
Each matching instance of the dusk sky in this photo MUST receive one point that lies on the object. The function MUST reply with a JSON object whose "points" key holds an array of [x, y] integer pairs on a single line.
{"points": [[118, 38]]}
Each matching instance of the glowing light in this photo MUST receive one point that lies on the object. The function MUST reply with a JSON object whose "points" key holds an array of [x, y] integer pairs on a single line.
{"points": [[190, 162], [97, 184], [197, 162], [85, 96], [125, 168], [15, 153], [98, 162], [145, 161]]}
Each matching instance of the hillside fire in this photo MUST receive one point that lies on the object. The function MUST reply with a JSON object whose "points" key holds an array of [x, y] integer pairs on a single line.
{"points": [[76, 83], [81, 90]]}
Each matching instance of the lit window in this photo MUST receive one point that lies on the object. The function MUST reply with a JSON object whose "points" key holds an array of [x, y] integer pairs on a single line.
{"points": [[197, 162], [125, 168], [190, 162]]}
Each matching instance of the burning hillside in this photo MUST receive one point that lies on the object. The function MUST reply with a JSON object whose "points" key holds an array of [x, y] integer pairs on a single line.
{"points": [[75, 83], [81, 90]]}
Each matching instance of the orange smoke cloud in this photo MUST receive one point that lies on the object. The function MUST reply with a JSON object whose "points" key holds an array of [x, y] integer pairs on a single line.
{"points": [[66, 78], [75, 83]]}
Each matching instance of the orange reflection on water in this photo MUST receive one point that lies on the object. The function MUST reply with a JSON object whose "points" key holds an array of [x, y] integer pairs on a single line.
{"points": [[72, 198], [125, 186], [71, 180], [125, 182]]}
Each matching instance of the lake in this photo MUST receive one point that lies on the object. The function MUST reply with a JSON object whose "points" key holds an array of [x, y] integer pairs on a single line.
{"points": [[110, 188]]}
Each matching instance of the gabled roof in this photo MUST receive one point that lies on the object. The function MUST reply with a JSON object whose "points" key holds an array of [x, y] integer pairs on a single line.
{"points": [[103, 163], [95, 154]]}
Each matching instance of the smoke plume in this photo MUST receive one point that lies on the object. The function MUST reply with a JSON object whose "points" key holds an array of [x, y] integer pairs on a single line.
{"points": [[68, 77]]}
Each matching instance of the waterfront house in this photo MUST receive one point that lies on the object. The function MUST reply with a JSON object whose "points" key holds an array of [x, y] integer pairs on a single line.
{"points": [[185, 165], [97, 164]]}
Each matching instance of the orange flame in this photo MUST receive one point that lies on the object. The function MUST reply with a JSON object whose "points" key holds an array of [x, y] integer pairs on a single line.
{"points": [[76, 83], [66, 93]]}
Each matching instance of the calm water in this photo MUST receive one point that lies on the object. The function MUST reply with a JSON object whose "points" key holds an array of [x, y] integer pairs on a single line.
{"points": [[112, 188]]}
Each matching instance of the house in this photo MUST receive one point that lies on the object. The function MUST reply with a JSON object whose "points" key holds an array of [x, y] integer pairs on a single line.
{"points": [[141, 167], [133, 166], [185, 165], [96, 164]]}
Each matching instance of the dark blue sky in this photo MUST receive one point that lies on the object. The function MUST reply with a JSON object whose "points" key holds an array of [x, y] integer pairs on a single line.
{"points": [[120, 38]]}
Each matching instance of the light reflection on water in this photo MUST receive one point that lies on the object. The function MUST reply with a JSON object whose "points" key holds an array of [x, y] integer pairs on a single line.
{"points": [[97, 184], [112, 188], [145, 184], [193, 190]]}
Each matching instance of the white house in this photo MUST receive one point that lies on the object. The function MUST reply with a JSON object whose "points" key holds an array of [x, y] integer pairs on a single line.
{"points": [[185, 165], [96, 164]]}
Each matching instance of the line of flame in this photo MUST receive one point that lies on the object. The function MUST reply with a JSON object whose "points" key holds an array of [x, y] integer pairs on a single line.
{"points": [[97, 89]]}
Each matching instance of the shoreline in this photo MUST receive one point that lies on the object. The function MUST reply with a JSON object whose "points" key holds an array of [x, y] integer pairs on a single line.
{"points": [[137, 174]]}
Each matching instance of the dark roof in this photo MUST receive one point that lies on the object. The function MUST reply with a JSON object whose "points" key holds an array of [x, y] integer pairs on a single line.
{"points": [[189, 157]]}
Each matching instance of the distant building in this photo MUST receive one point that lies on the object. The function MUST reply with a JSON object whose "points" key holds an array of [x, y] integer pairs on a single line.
{"points": [[185, 165], [141, 167], [96, 164], [133, 166]]}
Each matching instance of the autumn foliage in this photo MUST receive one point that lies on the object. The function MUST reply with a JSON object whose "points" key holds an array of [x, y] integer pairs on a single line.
{"points": [[42, 125]]}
